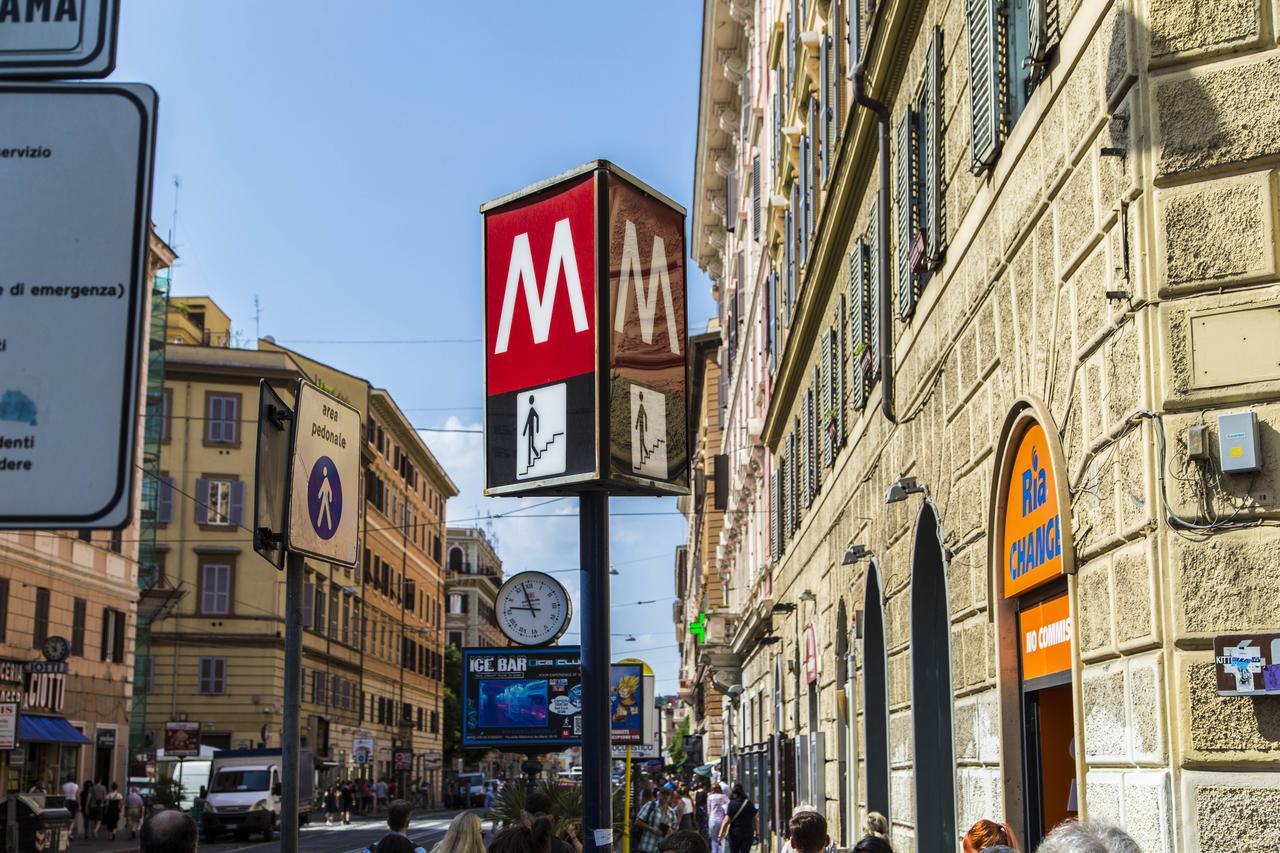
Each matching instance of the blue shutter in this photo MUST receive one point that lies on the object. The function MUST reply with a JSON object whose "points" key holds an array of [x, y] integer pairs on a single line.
{"points": [[202, 501], [237, 502], [983, 20], [213, 422], [933, 162], [164, 502], [231, 420]]}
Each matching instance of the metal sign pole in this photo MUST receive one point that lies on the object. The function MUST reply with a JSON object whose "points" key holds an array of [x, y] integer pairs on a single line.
{"points": [[292, 694], [626, 805], [597, 755]]}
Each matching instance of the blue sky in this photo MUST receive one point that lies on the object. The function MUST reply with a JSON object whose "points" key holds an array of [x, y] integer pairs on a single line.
{"points": [[333, 157]]}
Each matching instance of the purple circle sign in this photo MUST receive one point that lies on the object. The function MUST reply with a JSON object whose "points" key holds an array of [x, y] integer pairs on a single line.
{"points": [[324, 498]]}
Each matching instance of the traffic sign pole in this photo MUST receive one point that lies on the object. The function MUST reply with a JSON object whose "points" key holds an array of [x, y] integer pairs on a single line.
{"points": [[292, 695], [597, 756]]}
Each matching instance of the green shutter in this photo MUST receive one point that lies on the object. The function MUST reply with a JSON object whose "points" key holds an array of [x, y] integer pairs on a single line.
{"points": [[775, 483], [983, 19], [806, 425], [842, 373], [934, 163], [824, 106], [904, 210], [872, 293], [859, 342], [826, 410]]}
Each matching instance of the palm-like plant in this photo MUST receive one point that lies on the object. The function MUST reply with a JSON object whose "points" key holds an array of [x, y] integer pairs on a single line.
{"points": [[566, 807]]}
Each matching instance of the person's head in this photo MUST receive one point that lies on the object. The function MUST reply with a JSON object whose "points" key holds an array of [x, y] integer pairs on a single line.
{"points": [[684, 841], [169, 831], [537, 803], [738, 792], [808, 830], [115, 786], [1073, 837], [534, 838], [464, 835], [987, 833], [398, 815], [875, 824]]}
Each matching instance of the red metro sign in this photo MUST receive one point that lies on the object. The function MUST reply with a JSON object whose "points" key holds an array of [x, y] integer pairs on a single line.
{"points": [[584, 296]]}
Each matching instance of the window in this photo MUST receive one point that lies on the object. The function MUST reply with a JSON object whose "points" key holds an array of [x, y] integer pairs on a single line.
{"points": [[222, 424], [215, 588], [458, 603], [145, 675], [918, 200], [166, 415], [455, 639], [319, 688], [308, 597], [77, 627], [219, 502], [115, 542], [112, 635], [1010, 42], [333, 612], [164, 501], [213, 676], [40, 630], [318, 610], [4, 608], [435, 722]]}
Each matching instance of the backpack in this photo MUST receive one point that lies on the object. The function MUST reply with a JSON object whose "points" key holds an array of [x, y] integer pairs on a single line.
{"points": [[373, 848]]}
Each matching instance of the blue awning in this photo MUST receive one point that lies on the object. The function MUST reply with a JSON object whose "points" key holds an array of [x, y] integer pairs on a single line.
{"points": [[34, 729]]}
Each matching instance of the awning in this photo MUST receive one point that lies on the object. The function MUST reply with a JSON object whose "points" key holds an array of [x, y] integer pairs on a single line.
{"points": [[34, 729]]}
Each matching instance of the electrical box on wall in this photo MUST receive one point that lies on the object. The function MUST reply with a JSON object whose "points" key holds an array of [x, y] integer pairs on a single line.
{"points": [[1238, 451]]}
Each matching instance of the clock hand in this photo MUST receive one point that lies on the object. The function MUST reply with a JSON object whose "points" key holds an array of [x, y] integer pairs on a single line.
{"points": [[527, 595]]}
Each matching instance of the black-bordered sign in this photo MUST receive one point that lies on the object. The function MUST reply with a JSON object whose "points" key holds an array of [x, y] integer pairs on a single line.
{"points": [[528, 698], [56, 39]]}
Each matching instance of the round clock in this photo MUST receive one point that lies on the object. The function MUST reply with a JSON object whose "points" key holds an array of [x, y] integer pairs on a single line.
{"points": [[533, 609], [56, 649]]}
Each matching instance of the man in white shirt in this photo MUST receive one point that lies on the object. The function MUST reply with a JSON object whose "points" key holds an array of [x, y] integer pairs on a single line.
{"points": [[71, 793]]}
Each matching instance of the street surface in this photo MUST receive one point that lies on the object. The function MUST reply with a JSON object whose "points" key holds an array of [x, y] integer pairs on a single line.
{"points": [[424, 829]]}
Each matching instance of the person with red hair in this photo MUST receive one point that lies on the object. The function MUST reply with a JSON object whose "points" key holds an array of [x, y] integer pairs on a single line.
{"points": [[987, 834]]}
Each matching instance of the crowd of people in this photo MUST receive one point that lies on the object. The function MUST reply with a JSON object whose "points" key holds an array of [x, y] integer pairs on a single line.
{"points": [[362, 797], [97, 808]]}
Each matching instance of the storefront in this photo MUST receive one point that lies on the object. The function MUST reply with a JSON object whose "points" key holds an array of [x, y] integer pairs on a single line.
{"points": [[1034, 618], [48, 746]]}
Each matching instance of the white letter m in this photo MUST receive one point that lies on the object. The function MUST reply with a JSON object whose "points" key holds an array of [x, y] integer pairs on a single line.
{"points": [[646, 298], [541, 307]]}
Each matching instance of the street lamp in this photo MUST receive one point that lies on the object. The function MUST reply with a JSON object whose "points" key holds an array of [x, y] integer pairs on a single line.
{"points": [[902, 487], [855, 553]]}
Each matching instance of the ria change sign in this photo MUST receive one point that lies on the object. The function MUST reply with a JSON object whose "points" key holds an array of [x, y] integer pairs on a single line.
{"points": [[522, 698]]}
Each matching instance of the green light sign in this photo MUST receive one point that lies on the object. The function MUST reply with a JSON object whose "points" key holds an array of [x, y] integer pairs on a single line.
{"points": [[698, 628]]}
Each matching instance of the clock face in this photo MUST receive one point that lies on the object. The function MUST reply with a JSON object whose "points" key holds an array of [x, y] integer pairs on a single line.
{"points": [[56, 649], [533, 609]]}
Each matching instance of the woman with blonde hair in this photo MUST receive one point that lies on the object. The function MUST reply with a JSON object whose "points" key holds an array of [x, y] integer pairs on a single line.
{"points": [[463, 836]]}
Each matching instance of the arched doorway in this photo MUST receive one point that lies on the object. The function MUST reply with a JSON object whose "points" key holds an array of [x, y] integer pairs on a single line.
{"points": [[931, 698], [875, 695]]}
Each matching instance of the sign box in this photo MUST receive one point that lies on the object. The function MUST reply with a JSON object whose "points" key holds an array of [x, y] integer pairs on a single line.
{"points": [[522, 698], [76, 210], [324, 489], [181, 739], [586, 324], [53, 39], [8, 725]]}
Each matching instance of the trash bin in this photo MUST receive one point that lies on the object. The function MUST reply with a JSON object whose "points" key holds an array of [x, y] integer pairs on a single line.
{"points": [[43, 822]]}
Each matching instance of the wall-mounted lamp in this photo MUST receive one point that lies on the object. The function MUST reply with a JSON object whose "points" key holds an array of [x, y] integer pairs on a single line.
{"points": [[351, 590], [808, 595], [902, 487], [769, 641], [855, 553], [783, 607]]}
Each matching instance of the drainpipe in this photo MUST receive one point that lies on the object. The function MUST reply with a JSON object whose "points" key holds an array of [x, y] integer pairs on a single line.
{"points": [[882, 226]]}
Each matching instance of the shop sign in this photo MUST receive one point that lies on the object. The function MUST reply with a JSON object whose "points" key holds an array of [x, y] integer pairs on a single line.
{"points": [[1033, 534], [8, 725], [1247, 664], [402, 760], [362, 750], [1045, 630], [106, 739], [181, 740], [44, 685], [810, 654]]}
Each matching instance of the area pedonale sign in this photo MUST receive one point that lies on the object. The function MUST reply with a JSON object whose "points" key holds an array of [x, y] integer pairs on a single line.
{"points": [[585, 328]]}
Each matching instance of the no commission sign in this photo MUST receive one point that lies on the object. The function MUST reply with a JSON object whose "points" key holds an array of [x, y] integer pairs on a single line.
{"points": [[324, 497]]}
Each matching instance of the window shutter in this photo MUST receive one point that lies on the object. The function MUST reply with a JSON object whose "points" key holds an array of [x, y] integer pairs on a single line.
{"points": [[853, 33], [1042, 31], [983, 20], [786, 499], [933, 160], [805, 426], [730, 201], [827, 410], [237, 502], [106, 634], [791, 251], [202, 501], [834, 46], [755, 197], [842, 374], [776, 148], [117, 646], [164, 502], [810, 180], [824, 108], [769, 320], [904, 207], [858, 342], [307, 593], [871, 293], [231, 420], [774, 490], [815, 427], [802, 214]]}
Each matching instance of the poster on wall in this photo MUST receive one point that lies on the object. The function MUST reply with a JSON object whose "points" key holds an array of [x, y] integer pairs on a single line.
{"points": [[8, 725], [522, 698]]}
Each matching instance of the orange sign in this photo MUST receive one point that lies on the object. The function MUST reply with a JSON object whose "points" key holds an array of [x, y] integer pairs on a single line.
{"points": [[1032, 548], [1046, 638]]}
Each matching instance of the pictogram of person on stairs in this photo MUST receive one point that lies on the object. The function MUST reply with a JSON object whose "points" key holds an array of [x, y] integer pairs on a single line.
{"points": [[642, 424], [531, 430]]}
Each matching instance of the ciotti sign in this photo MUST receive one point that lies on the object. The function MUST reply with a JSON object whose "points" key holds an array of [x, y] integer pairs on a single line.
{"points": [[585, 326]]}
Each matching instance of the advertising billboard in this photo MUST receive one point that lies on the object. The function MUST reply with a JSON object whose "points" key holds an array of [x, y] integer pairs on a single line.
{"points": [[523, 698], [627, 703], [181, 739]]}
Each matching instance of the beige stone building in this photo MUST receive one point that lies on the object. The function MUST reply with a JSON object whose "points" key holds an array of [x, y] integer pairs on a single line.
{"points": [[1008, 263], [473, 576]]}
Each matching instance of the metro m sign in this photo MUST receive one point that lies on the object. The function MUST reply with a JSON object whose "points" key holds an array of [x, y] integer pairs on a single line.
{"points": [[560, 349]]}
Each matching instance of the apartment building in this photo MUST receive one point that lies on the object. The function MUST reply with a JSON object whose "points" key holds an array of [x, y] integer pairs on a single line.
{"points": [[473, 576], [1006, 265]]}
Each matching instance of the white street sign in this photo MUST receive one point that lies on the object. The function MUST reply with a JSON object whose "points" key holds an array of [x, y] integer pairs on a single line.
{"points": [[50, 39], [75, 200], [8, 725], [542, 424], [324, 496]]}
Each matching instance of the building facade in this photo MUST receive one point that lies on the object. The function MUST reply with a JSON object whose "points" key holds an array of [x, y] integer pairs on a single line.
{"points": [[1015, 261], [81, 586], [473, 576]]}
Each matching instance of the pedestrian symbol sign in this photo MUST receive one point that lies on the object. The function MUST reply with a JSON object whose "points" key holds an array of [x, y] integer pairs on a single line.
{"points": [[648, 433], [542, 421], [326, 462]]}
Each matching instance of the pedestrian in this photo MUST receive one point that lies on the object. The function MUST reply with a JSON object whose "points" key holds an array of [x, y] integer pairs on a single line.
{"points": [[464, 835], [537, 806], [380, 789], [700, 811], [133, 809], [97, 801], [1075, 837], [986, 834], [873, 844], [875, 825], [742, 821], [115, 805], [684, 841], [169, 831], [330, 804], [684, 807], [366, 797], [651, 824], [534, 837], [808, 829], [717, 802], [396, 841], [346, 800], [70, 794], [490, 795], [85, 790]]}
